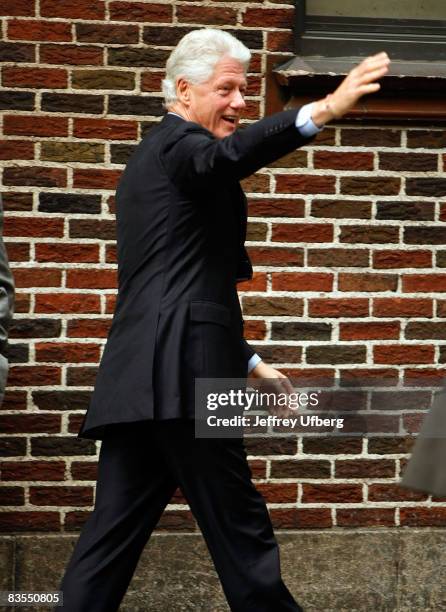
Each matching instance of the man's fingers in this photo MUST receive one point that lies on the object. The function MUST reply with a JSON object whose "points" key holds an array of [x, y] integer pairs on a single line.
{"points": [[367, 89], [372, 63], [373, 75], [287, 385]]}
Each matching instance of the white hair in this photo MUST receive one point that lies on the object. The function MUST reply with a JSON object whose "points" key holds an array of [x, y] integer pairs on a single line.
{"points": [[195, 56]]}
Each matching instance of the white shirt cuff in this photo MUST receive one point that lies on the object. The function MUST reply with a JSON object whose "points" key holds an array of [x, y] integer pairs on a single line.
{"points": [[305, 123], [255, 359]]}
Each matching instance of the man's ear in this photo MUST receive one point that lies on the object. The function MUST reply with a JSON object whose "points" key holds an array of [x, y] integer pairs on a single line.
{"points": [[183, 91]]}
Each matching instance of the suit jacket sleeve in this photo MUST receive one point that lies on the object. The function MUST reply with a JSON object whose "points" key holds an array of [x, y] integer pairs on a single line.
{"points": [[197, 154], [248, 351], [6, 306]]}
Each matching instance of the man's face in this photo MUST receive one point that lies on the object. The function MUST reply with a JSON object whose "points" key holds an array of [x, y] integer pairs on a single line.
{"points": [[218, 103]]}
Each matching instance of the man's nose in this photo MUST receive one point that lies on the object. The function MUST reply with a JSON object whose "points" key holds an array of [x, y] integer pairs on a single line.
{"points": [[238, 101]]}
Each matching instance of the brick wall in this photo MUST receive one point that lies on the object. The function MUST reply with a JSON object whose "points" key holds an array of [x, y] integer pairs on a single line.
{"points": [[347, 237]]}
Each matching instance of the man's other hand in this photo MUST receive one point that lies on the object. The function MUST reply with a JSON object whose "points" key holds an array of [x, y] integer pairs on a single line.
{"points": [[273, 382]]}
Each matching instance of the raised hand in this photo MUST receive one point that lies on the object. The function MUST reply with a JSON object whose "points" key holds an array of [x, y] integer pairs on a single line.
{"points": [[361, 80]]}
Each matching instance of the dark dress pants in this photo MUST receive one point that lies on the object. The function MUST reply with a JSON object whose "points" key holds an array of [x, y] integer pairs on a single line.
{"points": [[140, 467]]}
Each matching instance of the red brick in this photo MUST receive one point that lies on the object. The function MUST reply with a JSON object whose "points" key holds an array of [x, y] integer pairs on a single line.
{"points": [[392, 493], [73, 9], [343, 161], [367, 282], [370, 331], [276, 207], [280, 41], [111, 129], [67, 303], [61, 496], [331, 493], [29, 521], [423, 517], [254, 86], [92, 279], [339, 258], [365, 517], [294, 518], [96, 179], [32, 470], [424, 283], [254, 330], [88, 328], [22, 302], [365, 468], [176, 520], [341, 209], [71, 54], [61, 252], [402, 307], [424, 376], [370, 377], [402, 259], [33, 227], [302, 232], [257, 183], [17, 201], [338, 307], [151, 81], [257, 283], [332, 446], [16, 149], [12, 496], [404, 353], [37, 277], [258, 468], [15, 400], [278, 493], [55, 31], [84, 470], [138, 11], [17, 8], [30, 376], [305, 183], [271, 18], [256, 63], [67, 352], [354, 234], [412, 422], [106, 33], [30, 423], [276, 256], [110, 302], [206, 15], [18, 251], [74, 521], [32, 125], [252, 110], [38, 176], [367, 185], [270, 306], [54, 78], [302, 281]]}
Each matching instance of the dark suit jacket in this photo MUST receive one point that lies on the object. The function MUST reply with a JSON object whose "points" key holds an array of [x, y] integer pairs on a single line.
{"points": [[181, 225]]}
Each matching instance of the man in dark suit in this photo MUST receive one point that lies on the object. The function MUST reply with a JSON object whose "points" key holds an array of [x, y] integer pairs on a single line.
{"points": [[181, 225]]}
